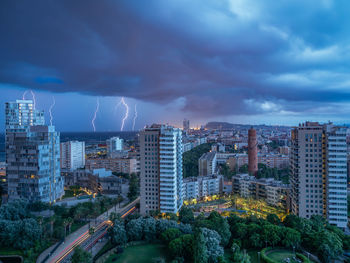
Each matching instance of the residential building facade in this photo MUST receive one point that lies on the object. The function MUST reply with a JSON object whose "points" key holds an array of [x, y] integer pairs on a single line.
{"points": [[118, 165], [319, 172], [72, 155], [32, 155], [202, 186], [207, 164], [161, 169]]}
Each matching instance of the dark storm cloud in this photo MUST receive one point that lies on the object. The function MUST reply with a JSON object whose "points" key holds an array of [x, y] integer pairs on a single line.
{"points": [[221, 57]]}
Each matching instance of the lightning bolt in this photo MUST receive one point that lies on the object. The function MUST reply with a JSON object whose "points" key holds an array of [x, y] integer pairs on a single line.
{"points": [[122, 101], [50, 110], [134, 120], [117, 105], [95, 114], [24, 95], [34, 100]]}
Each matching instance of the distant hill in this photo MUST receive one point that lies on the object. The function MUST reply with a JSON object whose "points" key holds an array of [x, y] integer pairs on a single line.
{"points": [[217, 125]]}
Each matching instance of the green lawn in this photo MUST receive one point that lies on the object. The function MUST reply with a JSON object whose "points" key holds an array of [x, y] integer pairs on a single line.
{"points": [[10, 251], [280, 255], [253, 254], [140, 254]]}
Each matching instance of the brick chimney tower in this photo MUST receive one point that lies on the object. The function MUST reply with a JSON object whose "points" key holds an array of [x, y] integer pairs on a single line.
{"points": [[252, 152]]}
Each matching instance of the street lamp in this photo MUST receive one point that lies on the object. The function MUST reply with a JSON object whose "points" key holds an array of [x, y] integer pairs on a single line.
{"points": [[258, 257]]}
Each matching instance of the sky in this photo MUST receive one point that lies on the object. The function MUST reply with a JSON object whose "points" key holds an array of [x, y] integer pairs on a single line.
{"points": [[239, 61]]}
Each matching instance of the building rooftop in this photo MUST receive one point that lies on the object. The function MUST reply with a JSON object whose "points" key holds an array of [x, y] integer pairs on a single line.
{"points": [[209, 156]]}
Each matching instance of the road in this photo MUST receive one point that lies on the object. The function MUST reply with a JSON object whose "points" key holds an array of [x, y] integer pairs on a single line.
{"points": [[83, 238]]}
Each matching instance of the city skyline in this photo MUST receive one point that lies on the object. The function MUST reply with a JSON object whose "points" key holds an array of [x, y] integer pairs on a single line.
{"points": [[235, 62]]}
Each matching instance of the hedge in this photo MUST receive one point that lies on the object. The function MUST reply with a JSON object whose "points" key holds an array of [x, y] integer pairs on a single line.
{"points": [[266, 259]]}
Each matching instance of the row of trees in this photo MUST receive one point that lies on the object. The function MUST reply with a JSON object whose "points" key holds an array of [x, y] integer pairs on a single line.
{"points": [[23, 228], [18, 228], [203, 239], [314, 235]]}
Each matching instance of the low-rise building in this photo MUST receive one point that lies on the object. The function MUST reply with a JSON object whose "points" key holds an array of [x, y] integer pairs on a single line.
{"points": [[96, 181], [235, 161], [201, 186], [118, 165], [272, 191]]}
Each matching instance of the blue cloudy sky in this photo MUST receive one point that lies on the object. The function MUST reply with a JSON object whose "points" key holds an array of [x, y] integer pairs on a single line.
{"points": [[242, 61]]}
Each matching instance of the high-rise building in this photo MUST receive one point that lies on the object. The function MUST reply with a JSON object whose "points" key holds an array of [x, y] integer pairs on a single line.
{"points": [[72, 155], [114, 144], [319, 172], [252, 152], [32, 155], [161, 169], [186, 125]]}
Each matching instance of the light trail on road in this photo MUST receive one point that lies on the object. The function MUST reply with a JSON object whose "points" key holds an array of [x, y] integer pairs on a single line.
{"points": [[63, 256]]}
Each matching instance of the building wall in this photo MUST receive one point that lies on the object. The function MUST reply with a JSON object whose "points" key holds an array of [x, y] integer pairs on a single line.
{"points": [[32, 154], [161, 169], [273, 192], [72, 155], [337, 178], [118, 165], [318, 172], [201, 186], [207, 164]]}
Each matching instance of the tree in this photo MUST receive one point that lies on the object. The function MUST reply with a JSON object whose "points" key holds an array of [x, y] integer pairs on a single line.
{"points": [[118, 233], [119, 200], [255, 240], [176, 248], [134, 187], [81, 256], [190, 159], [70, 221], [273, 219], [149, 229], [182, 247], [212, 242], [291, 238], [170, 234], [270, 234], [186, 215], [220, 225], [65, 224], [24, 233], [243, 169], [52, 220], [237, 256], [200, 252], [134, 229]]}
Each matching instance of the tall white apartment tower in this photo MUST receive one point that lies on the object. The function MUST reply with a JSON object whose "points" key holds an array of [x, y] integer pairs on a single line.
{"points": [[319, 172], [32, 155], [161, 169], [72, 155]]}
